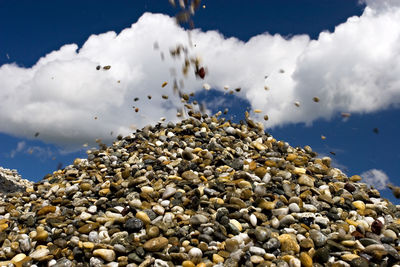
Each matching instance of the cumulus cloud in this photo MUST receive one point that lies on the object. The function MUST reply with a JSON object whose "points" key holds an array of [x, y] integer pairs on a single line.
{"points": [[20, 146], [42, 152], [354, 69], [376, 178]]}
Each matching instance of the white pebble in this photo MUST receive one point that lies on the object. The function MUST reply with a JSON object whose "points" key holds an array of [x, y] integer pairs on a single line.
{"points": [[294, 262], [293, 207], [165, 203], [275, 222], [168, 217], [85, 216], [158, 209], [92, 209], [160, 263], [195, 253], [253, 220], [94, 237], [257, 251], [39, 253], [159, 143]]}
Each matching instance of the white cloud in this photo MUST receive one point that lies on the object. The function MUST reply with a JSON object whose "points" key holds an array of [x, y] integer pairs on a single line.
{"points": [[42, 152], [381, 5], [20, 146], [375, 177], [354, 69]]}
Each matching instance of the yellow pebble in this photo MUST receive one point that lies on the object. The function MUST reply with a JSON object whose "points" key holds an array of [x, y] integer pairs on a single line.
{"points": [[349, 257], [19, 259], [217, 259], [3, 227], [104, 192], [88, 245], [291, 157], [355, 178], [143, 216], [237, 224], [188, 264], [305, 259], [359, 205], [351, 222]]}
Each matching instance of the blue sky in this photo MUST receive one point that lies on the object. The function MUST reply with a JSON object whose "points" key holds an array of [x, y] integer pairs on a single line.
{"points": [[51, 87]]}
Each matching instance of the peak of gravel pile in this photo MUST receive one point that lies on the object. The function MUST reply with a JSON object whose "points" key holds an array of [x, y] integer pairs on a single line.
{"points": [[203, 192], [11, 181]]}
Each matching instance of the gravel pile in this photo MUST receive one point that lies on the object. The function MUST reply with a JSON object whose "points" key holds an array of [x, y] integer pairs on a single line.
{"points": [[202, 192]]}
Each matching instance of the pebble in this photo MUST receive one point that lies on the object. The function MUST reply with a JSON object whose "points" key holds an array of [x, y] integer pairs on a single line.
{"points": [[195, 253], [294, 207], [198, 219], [141, 215], [289, 243], [105, 254], [306, 180], [155, 244], [318, 237], [231, 245], [217, 258], [39, 253], [306, 259], [169, 191], [134, 224], [257, 251], [256, 259]]}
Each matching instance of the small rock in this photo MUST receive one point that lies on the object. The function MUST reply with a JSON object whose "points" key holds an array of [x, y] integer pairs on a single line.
{"points": [[156, 244], [39, 253], [198, 219], [105, 254]]}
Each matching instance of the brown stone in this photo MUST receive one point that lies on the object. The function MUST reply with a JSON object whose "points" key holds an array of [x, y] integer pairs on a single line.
{"points": [[156, 244], [45, 210], [87, 228]]}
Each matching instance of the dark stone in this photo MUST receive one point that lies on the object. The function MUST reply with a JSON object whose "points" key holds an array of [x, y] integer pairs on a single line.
{"points": [[60, 242], [272, 244], [387, 240], [133, 257], [322, 254], [187, 155], [133, 225], [152, 215], [140, 251], [30, 221], [307, 220], [376, 227], [3, 236], [359, 262], [224, 220], [205, 238], [236, 164], [78, 254], [333, 216], [219, 236], [368, 241], [350, 187], [173, 249]]}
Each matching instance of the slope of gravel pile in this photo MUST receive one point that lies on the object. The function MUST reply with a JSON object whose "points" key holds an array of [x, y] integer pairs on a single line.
{"points": [[203, 192], [11, 181]]}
